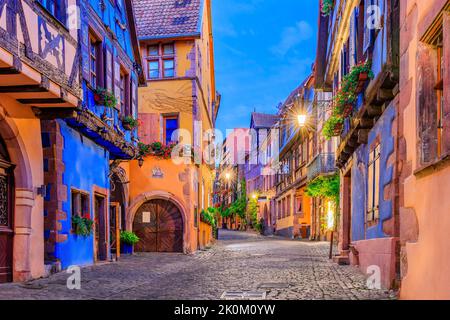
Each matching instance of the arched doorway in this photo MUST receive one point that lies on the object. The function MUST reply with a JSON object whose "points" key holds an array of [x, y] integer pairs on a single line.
{"points": [[117, 212], [159, 225], [6, 214]]}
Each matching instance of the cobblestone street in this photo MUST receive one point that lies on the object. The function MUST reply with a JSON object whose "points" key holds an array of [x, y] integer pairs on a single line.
{"points": [[238, 262]]}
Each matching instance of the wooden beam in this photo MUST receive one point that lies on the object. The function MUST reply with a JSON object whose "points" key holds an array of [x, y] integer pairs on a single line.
{"points": [[374, 111], [55, 113], [366, 123], [22, 88], [8, 71], [363, 136], [385, 95], [42, 101]]}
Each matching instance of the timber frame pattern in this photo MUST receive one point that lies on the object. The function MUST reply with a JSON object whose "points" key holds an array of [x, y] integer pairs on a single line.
{"points": [[69, 84]]}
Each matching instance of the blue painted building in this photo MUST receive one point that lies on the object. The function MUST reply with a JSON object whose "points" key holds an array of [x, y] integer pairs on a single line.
{"points": [[368, 149], [82, 151]]}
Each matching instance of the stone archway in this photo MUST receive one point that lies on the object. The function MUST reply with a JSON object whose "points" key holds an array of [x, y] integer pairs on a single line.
{"points": [[160, 195], [23, 197]]}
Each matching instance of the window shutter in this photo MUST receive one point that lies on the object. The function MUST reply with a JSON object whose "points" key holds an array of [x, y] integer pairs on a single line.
{"points": [[134, 98], [367, 31], [446, 78], [377, 189], [117, 80], [426, 103], [108, 69], [84, 46], [352, 39]]}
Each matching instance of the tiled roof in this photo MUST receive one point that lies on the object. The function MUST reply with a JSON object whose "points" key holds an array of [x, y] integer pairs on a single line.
{"points": [[263, 120], [167, 18]]}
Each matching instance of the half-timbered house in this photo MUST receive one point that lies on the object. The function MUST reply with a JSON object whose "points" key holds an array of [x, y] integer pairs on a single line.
{"points": [[359, 40], [38, 78], [82, 152]]}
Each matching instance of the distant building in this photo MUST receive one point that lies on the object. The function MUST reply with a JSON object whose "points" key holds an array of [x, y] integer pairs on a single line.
{"points": [[293, 205]]}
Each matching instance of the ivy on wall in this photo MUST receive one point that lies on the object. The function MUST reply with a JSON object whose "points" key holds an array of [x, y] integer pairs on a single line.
{"points": [[325, 187]]}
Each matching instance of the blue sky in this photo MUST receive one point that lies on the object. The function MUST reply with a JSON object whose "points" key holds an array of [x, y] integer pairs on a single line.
{"points": [[263, 50]]}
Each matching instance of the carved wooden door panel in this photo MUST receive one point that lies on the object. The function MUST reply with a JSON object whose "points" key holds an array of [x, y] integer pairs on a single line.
{"points": [[6, 222], [159, 225]]}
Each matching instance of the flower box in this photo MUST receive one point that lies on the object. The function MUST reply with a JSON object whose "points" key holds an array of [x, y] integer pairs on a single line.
{"points": [[127, 126], [363, 77], [338, 129], [348, 109]]}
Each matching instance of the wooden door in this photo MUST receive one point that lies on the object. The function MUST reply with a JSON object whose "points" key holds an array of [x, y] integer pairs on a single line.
{"points": [[114, 227], [6, 221], [159, 225], [100, 228]]}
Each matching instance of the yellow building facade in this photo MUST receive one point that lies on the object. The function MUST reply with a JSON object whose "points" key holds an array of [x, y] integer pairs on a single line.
{"points": [[179, 106]]}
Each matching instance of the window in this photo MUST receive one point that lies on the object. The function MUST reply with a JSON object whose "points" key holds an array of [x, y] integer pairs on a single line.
{"points": [[124, 96], [56, 8], [161, 61], [431, 108], [373, 197], [153, 69], [94, 51], [80, 204], [169, 68], [170, 126]]}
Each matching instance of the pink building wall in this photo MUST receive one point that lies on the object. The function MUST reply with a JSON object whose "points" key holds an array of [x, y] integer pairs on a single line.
{"points": [[424, 196]]}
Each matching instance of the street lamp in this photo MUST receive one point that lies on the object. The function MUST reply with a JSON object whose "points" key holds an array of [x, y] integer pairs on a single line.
{"points": [[302, 120], [228, 176]]}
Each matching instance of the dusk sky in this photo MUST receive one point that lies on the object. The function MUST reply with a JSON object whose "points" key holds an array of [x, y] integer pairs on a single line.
{"points": [[263, 49]]}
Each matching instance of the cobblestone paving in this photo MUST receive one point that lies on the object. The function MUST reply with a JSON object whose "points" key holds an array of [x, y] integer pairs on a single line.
{"points": [[238, 262]]}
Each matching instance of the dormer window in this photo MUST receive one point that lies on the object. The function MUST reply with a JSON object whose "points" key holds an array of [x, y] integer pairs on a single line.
{"points": [[161, 61]]}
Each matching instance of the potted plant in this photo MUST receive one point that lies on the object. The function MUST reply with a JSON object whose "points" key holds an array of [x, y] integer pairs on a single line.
{"points": [[105, 98], [82, 226], [127, 241], [129, 123]]}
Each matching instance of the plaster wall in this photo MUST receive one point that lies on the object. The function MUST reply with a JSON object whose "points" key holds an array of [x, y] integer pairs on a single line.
{"points": [[21, 131], [424, 201]]}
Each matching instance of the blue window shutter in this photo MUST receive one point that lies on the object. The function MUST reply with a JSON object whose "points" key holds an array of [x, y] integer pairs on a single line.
{"points": [[368, 33]]}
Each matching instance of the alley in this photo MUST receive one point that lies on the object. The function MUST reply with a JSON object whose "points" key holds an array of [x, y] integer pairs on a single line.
{"points": [[239, 262]]}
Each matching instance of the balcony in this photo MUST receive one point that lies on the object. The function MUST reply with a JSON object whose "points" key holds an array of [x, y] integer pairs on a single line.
{"points": [[322, 164]]}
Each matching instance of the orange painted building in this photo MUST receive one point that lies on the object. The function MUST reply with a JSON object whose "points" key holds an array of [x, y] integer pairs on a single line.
{"points": [[180, 104]]}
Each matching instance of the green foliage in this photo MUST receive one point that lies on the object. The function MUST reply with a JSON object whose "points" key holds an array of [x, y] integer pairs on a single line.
{"points": [[129, 238], [332, 126], [325, 187], [327, 7], [209, 217], [225, 212], [157, 149], [345, 98], [252, 211], [105, 98], [130, 122], [82, 226]]}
